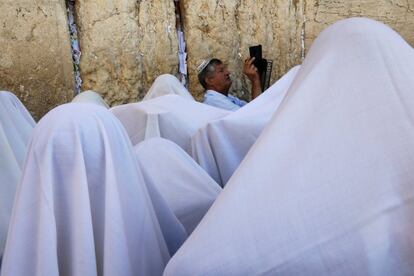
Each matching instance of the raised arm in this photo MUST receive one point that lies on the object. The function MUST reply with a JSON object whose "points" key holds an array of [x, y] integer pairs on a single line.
{"points": [[253, 75]]}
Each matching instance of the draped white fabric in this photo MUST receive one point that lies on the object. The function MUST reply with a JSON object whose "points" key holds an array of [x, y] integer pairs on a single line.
{"points": [[16, 125], [187, 189], [221, 145], [166, 85], [90, 96], [82, 207], [172, 229], [328, 187], [171, 117]]}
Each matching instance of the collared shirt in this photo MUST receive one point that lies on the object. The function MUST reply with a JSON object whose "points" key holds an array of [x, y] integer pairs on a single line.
{"points": [[219, 100]]}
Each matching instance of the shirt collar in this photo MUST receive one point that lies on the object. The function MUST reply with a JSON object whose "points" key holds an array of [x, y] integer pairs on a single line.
{"points": [[215, 93]]}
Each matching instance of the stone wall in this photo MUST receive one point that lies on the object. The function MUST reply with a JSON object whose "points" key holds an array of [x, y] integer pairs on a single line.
{"points": [[126, 44], [225, 29], [35, 60], [286, 29], [398, 14]]}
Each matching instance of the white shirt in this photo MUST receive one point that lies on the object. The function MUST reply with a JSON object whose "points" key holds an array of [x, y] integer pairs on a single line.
{"points": [[217, 99]]}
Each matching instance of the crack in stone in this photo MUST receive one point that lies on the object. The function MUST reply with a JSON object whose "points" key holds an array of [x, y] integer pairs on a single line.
{"points": [[74, 41], [407, 8], [303, 31], [182, 54], [31, 36], [219, 3], [40, 8], [238, 27], [112, 14]]}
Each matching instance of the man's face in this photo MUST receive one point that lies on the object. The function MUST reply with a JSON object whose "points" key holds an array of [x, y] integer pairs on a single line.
{"points": [[220, 80]]}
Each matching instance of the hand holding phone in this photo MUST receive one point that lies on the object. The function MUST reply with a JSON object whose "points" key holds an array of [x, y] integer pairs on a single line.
{"points": [[259, 62], [250, 70], [256, 52]]}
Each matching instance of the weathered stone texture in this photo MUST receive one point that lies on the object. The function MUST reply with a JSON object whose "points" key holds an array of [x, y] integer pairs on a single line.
{"points": [[276, 25], [225, 29], [35, 59], [398, 14], [286, 29], [125, 45]]}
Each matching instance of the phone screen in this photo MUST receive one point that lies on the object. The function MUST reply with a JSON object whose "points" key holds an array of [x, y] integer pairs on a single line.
{"points": [[256, 52]]}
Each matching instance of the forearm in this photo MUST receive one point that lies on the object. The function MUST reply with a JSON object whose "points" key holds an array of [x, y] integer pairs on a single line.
{"points": [[256, 88], [253, 75]]}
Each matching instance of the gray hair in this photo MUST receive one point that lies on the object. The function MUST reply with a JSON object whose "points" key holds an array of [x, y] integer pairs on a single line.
{"points": [[208, 71]]}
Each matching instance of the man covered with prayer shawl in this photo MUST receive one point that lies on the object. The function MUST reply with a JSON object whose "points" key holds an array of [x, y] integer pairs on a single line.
{"points": [[16, 126], [82, 206]]}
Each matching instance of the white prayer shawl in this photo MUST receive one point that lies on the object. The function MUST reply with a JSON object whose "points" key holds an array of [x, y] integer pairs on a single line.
{"points": [[165, 85], [81, 207], [188, 190], [16, 125], [328, 187], [221, 145], [90, 96], [171, 117], [172, 230]]}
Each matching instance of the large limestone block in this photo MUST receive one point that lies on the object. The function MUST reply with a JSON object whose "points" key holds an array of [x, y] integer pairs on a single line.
{"points": [[125, 45], [226, 28], [398, 14], [35, 58], [277, 26]]}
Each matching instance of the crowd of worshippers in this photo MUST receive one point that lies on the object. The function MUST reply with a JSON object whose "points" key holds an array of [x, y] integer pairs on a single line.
{"points": [[314, 176]]}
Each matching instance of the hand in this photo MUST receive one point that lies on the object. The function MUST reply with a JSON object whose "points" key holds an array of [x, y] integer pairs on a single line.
{"points": [[252, 73], [250, 70]]}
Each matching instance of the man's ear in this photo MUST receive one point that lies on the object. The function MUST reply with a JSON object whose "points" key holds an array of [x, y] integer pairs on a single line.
{"points": [[208, 80]]}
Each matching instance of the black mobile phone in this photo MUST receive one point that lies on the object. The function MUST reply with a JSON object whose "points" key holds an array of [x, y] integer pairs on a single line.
{"points": [[259, 62], [256, 52]]}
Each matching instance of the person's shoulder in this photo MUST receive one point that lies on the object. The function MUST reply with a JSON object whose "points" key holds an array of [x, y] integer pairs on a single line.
{"points": [[237, 101], [211, 95], [220, 101]]}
